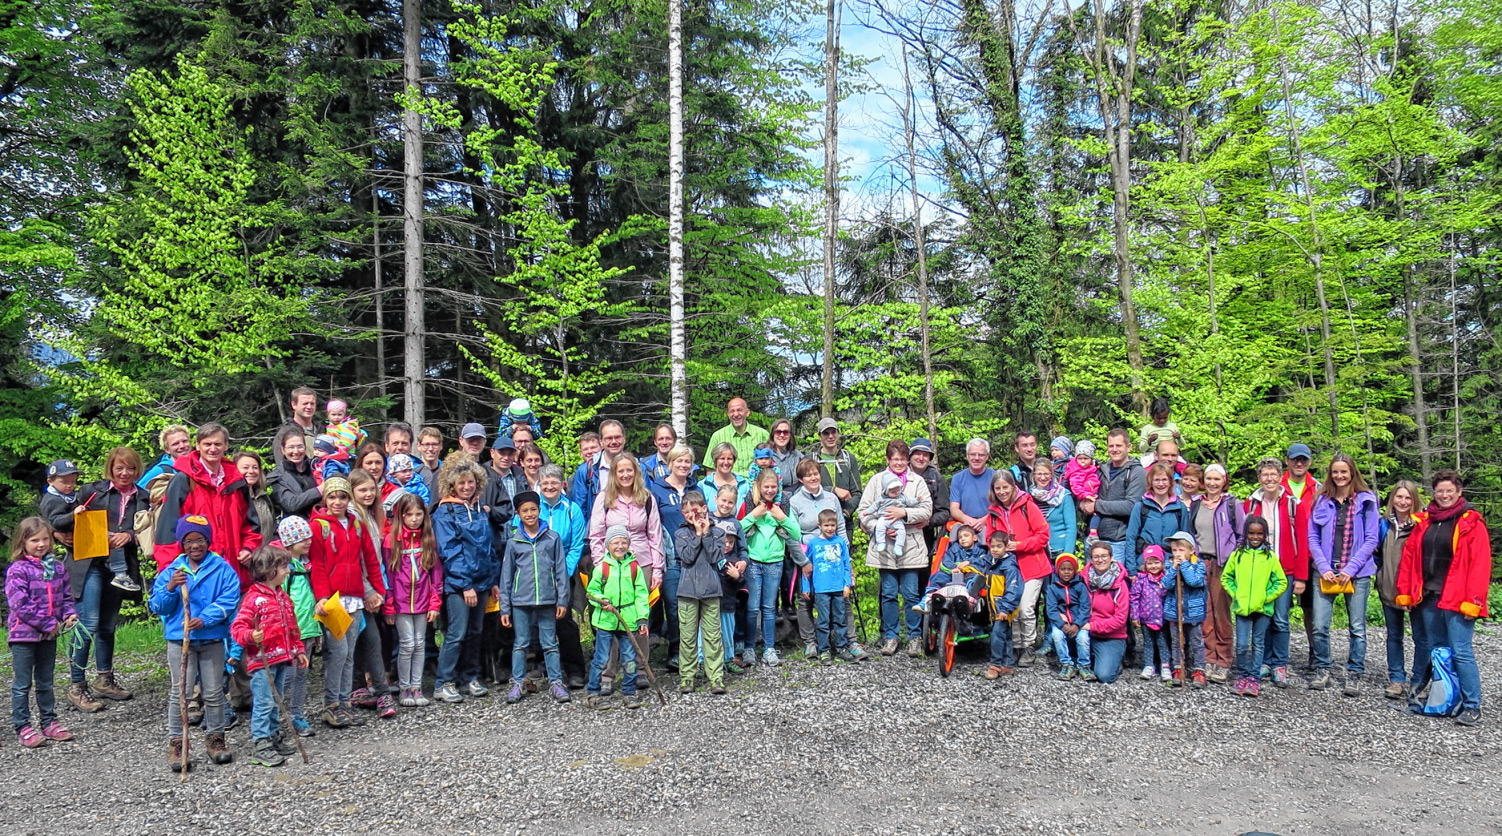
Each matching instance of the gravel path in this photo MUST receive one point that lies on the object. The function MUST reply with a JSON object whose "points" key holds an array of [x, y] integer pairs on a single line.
{"points": [[885, 747]]}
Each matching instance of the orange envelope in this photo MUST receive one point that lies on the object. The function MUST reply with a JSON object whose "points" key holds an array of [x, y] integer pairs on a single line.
{"points": [[91, 535]]}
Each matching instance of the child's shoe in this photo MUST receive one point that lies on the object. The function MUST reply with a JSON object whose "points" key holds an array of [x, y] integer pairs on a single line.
{"points": [[770, 658], [845, 655], [860, 653], [1175, 680], [175, 759], [1321, 681], [597, 702], [630, 701], [282, 745], [826, 658], [1264, 672], [406, 700], [30, 737], [1147, 671], [1280, 676], [559, 693], [997, 671], [126, 583], [219, 751], [350, 717], [334, 718], [1088, 675], [1253, 687], [55, 731], [1197, 679], [717, 688], [810, 651], [685, 687], [1066, 673], [265, 754], [385, 707], [1165, 673], [303, 727], [362, 698], [448, 693], [231, 718], [733, 667], [514, 693]]}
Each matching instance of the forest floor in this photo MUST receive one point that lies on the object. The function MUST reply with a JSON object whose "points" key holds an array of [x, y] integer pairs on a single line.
{"points": [[882, 747]]}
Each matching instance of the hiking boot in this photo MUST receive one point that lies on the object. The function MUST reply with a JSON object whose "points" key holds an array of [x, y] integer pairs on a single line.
{"points": [[55, 731], [597, 702], [1147, 671], [447, 693], [1395, 690], [685, 687], [78, 694], [265, 754], [362, 698], [717, 688], [126, 583], [1088, 675], [350, 717], [915, 648], [1066, 673], [889, 647], [1280, 677], [1468, 716], [385, 707], [607, 684], [195, 713], [30, 737], [770, 658], [1026, 660], [559, 693], [1352, 686], [672, 664], [475, 689], [302, 727], [106, 686], [1216, 673], [218, 751], [631, 701], [1197, 679], [1321, 681], [845, 655], [333, 718], [860, 653], [997, 671], [514, 693], [175, 759]]}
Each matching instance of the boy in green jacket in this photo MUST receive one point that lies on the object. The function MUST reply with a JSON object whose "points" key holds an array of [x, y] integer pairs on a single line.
{"points": [[1254, 578], [618, 593]]}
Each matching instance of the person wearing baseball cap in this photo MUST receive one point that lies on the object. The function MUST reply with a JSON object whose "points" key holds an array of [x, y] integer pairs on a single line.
{"points": [[472, 439], [839, 471], [1303, 487], [920, 461], [1185, 566]]}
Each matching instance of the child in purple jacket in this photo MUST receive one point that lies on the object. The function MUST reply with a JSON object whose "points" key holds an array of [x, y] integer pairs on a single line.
{"points": [[40, 601], [1147, 614]]}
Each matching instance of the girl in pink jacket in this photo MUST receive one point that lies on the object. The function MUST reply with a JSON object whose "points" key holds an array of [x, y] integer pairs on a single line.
{"points": [[416, 594]]}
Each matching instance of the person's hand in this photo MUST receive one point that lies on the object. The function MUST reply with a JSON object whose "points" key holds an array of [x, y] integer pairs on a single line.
{"points": [[844, 495], [777, 513], [373, 601], [195, 624], [318, 609], [962, 565], [1329, 577], [559, 612], [642, 631], [67, 624], [891, 534], [701, 525], [505, 620], [258, 635], [808, 596], [495, 592], [64, 537], [1299, 587], [757, 511], [244, 556], [432, 617], [894, 514], [178, 579], [1342, 578], [1086, 627], [808, 570], [1137, 623], [120, 539], [1177, 560], [390, 621], [846, 592], [302, 660], [733, 571], [470, 598]]}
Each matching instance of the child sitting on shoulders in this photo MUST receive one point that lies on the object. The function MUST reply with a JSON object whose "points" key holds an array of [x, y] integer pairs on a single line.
{"points": [[964, 552], [1254, 579], [519, 412], [401, 471], [1003, 606], [1147, 614], [329, 459], [830, 587], [344, 429], [1067, 602], [618, 593], [1185, 565], [39, 603], [267, 628]]}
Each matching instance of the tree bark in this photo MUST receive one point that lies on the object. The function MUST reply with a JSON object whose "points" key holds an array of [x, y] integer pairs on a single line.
{"points": [[831, 190], [909, 128], [415, 367], [677, 347], [380, 297]]}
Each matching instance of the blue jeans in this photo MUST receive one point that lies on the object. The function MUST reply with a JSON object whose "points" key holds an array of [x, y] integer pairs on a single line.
{"points": [[605, 640], [671, 576], [1446, 628], [1155, 646], [907, 583], [461, 638], [33, 663], [1119, 552], [762, 581], [1251, 643], [829, 629], [727, 631], [1394, 618], [1060, 642], [1277, 634], [1324, 612], [1425, 623], [99, 614], [523, 619], [1108, 655], [264, 717]]}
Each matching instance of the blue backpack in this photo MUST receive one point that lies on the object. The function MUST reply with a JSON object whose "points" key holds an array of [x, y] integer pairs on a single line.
{"points": [[1444, 686]]}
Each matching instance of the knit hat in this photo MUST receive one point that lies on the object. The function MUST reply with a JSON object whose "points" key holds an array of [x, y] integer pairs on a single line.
{"points": [[519, 406], [1152, 551], [1086, 447], [1063, 445], [325, 444], [530, 496], [616, 531], [293, 530], [335, 484], [335, 403], [400, 462], [194, 524], [1066, 557]]}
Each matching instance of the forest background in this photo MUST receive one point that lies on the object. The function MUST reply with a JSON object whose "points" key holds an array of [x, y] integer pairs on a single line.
{"points": [[1280, 215]]}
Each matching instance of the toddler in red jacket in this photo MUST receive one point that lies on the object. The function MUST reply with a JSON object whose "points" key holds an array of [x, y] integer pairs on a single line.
{"points": [[266, 627]]}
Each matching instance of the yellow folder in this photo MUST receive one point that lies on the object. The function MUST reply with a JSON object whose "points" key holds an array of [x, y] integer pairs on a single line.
{"points": [[91, 535], [334, 617]]}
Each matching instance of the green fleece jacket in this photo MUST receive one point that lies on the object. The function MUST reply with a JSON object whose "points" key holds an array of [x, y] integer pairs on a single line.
{"points": [[1254, 578], [625, 588], [767, 539]]}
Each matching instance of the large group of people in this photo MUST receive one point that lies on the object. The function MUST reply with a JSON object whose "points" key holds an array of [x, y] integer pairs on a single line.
{"points": [[411, 573]]}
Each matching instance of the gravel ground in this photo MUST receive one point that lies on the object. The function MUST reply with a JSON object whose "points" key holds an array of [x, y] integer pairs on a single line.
{"points": [[884, 747]]}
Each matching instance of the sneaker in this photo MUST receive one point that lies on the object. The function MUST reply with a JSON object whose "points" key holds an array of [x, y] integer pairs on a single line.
{"points": [[362, 698], [283, 746], [265, 754], [407, 700], [826, 658], [447, 693], [385, 707], [889, 647], [1264, 672], [860, 653], [30, 737], [55, 731], [514, 693], [1239, 686], [574, 681], [1147, 671], [810, 651], [303, 727], [631, 701], [1280, 677], [846, 655], [559, 693], [1088, 675], [219, 751], [921, 607], [350, 716], [175, 760], [78, 694], [475, 689], [106, 686], [998, 671], [685, 687], [333, 718], [748, 660], [1469, 716], [419, 700], [1253, 687], [770, 658], [1197, 679], [597, 702], [1321, 681], [1026, 660], [1165, 673], [1395, 690], [915, 648], [1352, 686], [1176, 680], [124, 582], [1216, 673], [732, 667], [717, 688], [1066, 673]]}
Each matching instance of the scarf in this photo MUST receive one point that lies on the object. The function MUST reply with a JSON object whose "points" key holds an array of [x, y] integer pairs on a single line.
{"points": [[1052, 496], [1438, 514], [1102, 581]]}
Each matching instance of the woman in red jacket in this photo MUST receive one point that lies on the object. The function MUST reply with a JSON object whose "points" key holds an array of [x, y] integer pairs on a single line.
{"points": [[1443, 578], [1014, 511]]}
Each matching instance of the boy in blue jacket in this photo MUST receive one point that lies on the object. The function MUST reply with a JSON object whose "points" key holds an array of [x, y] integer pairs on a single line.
{"points": [[1003, 563], [830, 587], [1067, 601], [213, 596], [534, 593], [1185, 564], [965, 551]]}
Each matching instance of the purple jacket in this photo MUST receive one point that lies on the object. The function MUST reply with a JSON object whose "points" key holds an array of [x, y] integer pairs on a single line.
{"points": [[1229, 520], [1363, 560], [39, 598], [1147, 600]]}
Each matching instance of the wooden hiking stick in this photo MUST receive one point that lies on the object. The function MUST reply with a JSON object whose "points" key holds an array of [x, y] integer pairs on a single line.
{"points": [[287, 717], [1178, 581], [641, 655], [182, 689]]}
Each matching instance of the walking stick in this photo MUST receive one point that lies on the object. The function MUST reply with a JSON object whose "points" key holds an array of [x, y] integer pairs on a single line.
{"points": [[287, 719], [182, 690], [640, 654], [1178, 580]]}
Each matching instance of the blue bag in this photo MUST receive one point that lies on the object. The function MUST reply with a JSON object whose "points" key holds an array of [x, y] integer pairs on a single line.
{"points": [[1444, 686]]}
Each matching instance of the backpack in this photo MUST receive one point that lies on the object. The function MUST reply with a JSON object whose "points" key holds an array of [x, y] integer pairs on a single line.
{"points": [[145, 520], [1444, 686], [605, 572]]}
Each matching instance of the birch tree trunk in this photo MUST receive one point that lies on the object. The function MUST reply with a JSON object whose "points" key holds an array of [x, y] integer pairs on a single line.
{"points": [[415, 367], [677, 348], [831, 190]]}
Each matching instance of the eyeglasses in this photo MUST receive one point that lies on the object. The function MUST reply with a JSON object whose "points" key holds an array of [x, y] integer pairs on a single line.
{"points": [[783, 432]]}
